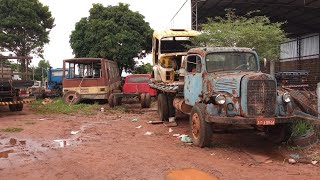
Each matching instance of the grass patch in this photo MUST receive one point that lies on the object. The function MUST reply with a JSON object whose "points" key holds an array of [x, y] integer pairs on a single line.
{"points": [[58, 106], [300, 128], [12, 129]]}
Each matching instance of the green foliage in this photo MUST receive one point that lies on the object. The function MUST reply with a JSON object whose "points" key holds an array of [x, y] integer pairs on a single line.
{"points": [[113, 32], [24, 27], [301, 128], [59, 107], [41, 69], [143, 69], [12, 129], [243, 31]]}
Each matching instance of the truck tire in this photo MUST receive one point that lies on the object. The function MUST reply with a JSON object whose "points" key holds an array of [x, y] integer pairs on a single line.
{"points": [[19, 107], [12, 107], [143, 100], [163, 107], [278, 133], [111, 100], [148, 100], [71, 97], [201, 131]]}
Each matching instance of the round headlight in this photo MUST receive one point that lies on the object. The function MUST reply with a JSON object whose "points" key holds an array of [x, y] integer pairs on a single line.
{"points": [[220, 99], [286, 97]]}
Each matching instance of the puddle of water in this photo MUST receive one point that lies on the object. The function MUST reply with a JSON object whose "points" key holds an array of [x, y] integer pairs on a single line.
{"points": [[5, 154], [186, 174]]}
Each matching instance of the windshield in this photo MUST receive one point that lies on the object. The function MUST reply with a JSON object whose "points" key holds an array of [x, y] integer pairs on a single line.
{"points": [[226, 61], [175, 44]]}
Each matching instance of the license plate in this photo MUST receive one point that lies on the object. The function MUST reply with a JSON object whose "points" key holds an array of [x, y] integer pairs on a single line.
{"points": [[266, 121]]}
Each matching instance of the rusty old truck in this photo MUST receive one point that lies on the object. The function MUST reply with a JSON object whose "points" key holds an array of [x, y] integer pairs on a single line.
{"points": [[14, 82], [224, 85]]}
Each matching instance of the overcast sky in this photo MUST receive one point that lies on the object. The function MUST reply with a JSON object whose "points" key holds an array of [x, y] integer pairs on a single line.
{"points": [[68, 12]]}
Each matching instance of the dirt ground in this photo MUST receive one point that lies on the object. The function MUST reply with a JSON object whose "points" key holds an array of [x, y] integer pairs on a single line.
{"points": [[110, 146]]}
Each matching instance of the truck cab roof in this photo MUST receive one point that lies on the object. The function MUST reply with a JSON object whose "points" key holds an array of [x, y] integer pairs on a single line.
{"points": [[206, 50]]}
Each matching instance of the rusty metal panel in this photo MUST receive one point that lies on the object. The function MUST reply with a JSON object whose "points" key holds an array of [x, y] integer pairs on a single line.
{"points": [[261, 99]]}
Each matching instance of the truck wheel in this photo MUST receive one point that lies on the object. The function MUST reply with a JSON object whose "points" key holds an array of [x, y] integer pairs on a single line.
{"points": [[148, 100], [19, 107], [71, 97], [118, 101], [201, 131], [143, 100], [12, 107], [163, 107], [111, 101], [278, 133]]}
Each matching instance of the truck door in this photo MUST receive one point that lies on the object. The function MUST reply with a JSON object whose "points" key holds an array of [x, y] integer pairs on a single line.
{"points": [[193, 80]]}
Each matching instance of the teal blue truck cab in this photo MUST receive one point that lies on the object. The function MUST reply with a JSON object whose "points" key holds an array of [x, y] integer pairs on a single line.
{"points": [[225, 85]]}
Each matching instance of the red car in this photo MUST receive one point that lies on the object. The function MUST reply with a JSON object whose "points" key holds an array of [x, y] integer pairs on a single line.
{"points": [[138, 83], [135, 85]]}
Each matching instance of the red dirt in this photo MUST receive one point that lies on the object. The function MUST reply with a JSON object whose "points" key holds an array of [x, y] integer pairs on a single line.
{"points": [[109, 146]]}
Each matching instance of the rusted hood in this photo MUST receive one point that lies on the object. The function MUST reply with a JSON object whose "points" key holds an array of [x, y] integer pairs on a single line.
{"points": [[231, 82]]}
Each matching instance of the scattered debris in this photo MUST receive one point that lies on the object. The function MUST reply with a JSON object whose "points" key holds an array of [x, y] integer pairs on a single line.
{"points": [[13, 141], [62, 143], [74, 132], [5, 154], [155, 122], [138, 127], [134, 120], [186, 139], [268, 161], [314, 162], [170, 130], [47, 101], [176, 135], [148, 133], [212, 154], [42, 119], [170, 124], [102, 109], [295, 156], [292, 161], [22, 142]]}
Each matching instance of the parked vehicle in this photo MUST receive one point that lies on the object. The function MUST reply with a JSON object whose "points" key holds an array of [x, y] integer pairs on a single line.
{"points": [[89, 78], [168, 49], [224, 85], [135, 86], [14, 85], [54, 82]]}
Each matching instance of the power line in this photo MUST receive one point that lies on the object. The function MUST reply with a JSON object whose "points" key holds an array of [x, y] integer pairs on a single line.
{"points": [[178, 10]]}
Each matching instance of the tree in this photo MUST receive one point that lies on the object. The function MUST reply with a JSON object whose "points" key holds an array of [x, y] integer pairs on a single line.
{"points": [[243, 31], [40, 72], [113, 32], [24, 28], [143, 69]]}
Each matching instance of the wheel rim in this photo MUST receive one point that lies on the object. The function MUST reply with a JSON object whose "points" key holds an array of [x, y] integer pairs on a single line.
{"points": [[195, 125], [70, 98]]}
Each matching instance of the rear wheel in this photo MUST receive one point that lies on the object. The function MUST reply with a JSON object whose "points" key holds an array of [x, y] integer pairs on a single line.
{"points": [[143, 100], [111, 100], [71, 97], [163, 107], [19, 107], [148, 100], [201, 131], [278, 133], [12, 107]]}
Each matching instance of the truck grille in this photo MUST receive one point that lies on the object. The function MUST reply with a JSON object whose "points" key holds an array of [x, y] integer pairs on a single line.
{"points": [[261, 98]]}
